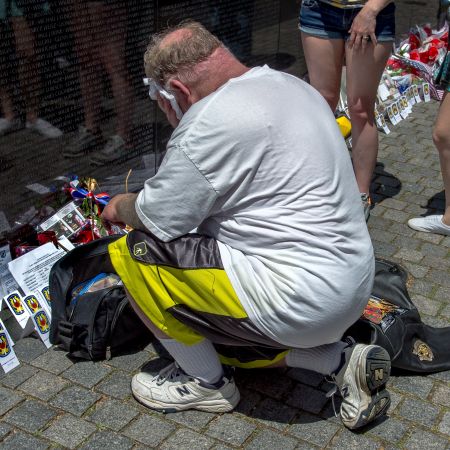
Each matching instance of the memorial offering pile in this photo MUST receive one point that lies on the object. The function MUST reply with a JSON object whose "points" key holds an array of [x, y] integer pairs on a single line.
{"points": [[28, 252], [411, 74]]}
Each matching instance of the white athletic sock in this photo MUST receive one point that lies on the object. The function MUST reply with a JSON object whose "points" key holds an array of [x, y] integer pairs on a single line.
{"points": [[198, 360], [324, 359]]}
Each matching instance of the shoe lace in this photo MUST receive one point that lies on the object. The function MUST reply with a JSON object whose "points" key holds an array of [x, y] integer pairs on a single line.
{"points": [[332, 392], [170, 373]]}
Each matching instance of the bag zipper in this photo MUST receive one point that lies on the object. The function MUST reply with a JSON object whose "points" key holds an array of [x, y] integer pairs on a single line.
{"points": [[119, 310], [91, 326]]}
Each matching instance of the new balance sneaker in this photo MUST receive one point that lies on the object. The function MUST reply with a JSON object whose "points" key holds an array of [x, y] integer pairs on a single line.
{"points": [[366, 204], [361, 381], [44, 128], [114, 151], [8, 126], [83, 142], [430, 224], [173, 390]]}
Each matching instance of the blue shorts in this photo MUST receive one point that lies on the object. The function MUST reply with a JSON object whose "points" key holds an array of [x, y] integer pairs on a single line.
{"points": [[326, 21]]}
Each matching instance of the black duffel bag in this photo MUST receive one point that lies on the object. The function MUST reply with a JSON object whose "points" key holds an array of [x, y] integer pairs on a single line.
{"points": [[92, 325]]}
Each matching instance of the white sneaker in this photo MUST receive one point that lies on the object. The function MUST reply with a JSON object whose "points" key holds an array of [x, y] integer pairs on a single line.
{"points": [[113, 151], [8, 126], [173, 390], [430, 224], [44, 128], [361, 381]]}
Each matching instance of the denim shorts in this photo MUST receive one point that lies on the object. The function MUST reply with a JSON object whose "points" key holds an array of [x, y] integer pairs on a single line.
{"points": [[326, 21]]}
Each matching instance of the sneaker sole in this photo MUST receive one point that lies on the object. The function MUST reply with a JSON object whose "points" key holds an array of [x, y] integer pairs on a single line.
{"points": [[372, 379], [215, 406]]}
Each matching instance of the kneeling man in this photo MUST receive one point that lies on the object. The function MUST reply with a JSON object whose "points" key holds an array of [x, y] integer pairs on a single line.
{"points": [[280, 263]]}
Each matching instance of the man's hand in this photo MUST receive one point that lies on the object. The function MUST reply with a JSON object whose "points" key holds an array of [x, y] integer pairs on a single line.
{"points": [[167, 109], [120, 210]]}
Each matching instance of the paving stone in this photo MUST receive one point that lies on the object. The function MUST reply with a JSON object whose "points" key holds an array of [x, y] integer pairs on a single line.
{"points": [[349, 440], [422, 287], [86, 373], [416, 270], [434, 250], [443, 376], [69, 431], [307, 399], [390, 430], [270, 440], [446, 311], [113, 414], [407, 243], [249, 400], [231, 429], [29, 348], [421, 440], [271, 383], [43, 385], [306, 377], [131, 362], [441, 277], [18, 375], [383, 249], [409, 255], [419, 411], [75, 400], [441, 395], [401, 229], [435, 262], [8, 399], [117, 385], [54, 361], [443, 294], [444, 426], [4, 430], [187, 439], [149, 430], [396, 216], [274, 413], [30, 416], [23, 441], [192, 419], [394, 204], [417, 386], [107, 440], [313, 429], [425, 305], [382, 235]]}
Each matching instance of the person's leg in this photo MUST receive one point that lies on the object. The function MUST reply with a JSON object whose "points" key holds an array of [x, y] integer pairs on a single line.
{"points": [[27, 66], [438, 223], [112, 53], [86, 48], [364, 70], [441, 138], [324, 59], [359, 371]]}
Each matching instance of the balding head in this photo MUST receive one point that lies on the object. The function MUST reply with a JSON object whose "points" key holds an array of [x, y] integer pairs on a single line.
{"points": [[176, 52]]}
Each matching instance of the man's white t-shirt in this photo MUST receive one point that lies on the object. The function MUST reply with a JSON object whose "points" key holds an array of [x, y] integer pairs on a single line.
{"points": [[261, 166]]}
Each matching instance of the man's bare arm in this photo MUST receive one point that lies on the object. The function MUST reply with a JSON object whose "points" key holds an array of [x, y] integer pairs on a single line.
{"points": [[121, 210]]}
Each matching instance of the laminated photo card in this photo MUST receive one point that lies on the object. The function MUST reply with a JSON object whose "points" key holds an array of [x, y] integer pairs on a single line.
{"points": [[8, 358]]}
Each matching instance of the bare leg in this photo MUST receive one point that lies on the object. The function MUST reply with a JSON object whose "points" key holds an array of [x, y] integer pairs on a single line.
{"points": [[27, 65], [87, 52], [441, 138], [7, 103], [324, 58], [111, 21], [364, 70]]}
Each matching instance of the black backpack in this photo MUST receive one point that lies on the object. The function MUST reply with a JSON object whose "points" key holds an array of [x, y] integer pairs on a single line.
{"points": [[392, 321], [101, 324]]}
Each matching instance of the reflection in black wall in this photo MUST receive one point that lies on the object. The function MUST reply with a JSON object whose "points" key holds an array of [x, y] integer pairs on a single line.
{"points": [[71, 93]]}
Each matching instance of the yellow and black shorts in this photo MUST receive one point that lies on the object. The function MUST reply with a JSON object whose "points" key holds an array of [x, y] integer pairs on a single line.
{"points": [[183, 289]]}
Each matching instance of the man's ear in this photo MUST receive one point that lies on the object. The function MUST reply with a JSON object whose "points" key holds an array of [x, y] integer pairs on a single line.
{"points": [[182, 93]]}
